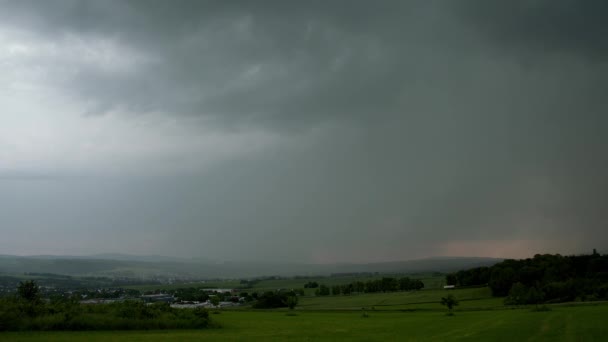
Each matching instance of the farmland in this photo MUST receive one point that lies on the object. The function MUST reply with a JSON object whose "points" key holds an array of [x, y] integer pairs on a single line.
{"points": [[373, 307], [474, 298], [562, 323], [431, 281], [415, 315]]}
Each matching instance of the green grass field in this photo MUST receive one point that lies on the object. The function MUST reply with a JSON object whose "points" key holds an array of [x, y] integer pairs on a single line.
{"points": [[430, 282], [398, 316], [222, 284], [474, 298], [575, 323]]}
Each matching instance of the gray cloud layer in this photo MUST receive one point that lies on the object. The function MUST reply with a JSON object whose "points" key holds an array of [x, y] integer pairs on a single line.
{"points": [[400, 129]]}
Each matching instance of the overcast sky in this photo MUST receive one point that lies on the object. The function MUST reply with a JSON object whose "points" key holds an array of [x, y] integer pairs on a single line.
{"points": [[308, 131]]}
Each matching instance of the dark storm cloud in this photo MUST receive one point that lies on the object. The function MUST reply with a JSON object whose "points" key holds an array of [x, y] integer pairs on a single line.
{"points": [[276, 62], [283, 61], [545, 27], [406, 125]]}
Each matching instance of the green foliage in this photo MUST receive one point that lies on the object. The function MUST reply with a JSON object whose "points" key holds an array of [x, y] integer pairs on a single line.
{"points": [[323, 290], [311, 285], [501, 280], [385, 284], [28, 291], [564, 323], [544, 278], [335, 290], [292, 301], [248, 298], [190, 294], [450, 301], [473, 276], [215, 300], [19, 314], [451, 279], [276, 299], [11, 314], [473, 298], [521, 294]]}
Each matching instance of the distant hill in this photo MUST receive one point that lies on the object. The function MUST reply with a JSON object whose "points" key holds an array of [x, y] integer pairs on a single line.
{"points": [[132, 266]]}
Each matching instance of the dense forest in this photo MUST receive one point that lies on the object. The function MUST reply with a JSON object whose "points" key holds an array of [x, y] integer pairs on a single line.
{"points": [[545, 278]]}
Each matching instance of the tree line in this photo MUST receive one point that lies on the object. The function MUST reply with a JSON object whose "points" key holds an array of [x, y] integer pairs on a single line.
{"points": [[385, 284], [544, 278]]}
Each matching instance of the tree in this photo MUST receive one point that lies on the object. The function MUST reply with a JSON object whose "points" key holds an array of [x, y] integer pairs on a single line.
{"points": [[292, 301], [517, 295], [323, 290], [501, 280], [215, 300], [311, 285], [451, 279], [347, 289], [29, 291], [450, 301], [273, 299], [335, 290], [521, 294]]}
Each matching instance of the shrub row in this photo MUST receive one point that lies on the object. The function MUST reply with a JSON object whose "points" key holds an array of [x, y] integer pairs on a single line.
{"points": [[18, 314]]}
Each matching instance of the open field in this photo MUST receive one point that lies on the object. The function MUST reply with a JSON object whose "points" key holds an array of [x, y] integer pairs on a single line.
{"points": [[395, 316], [430, 282], [473, 298], [221, 284], [562, 323]]}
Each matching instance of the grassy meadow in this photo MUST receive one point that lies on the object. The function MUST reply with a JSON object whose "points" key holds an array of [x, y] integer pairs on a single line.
{"points": [[562, 323], [430, 282], [473, 298], [399, 316]]}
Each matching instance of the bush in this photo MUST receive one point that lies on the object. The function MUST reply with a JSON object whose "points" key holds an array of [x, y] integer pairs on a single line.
{"points": [[521, 295], [16, 314], [323, 290], [272, 300]]}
